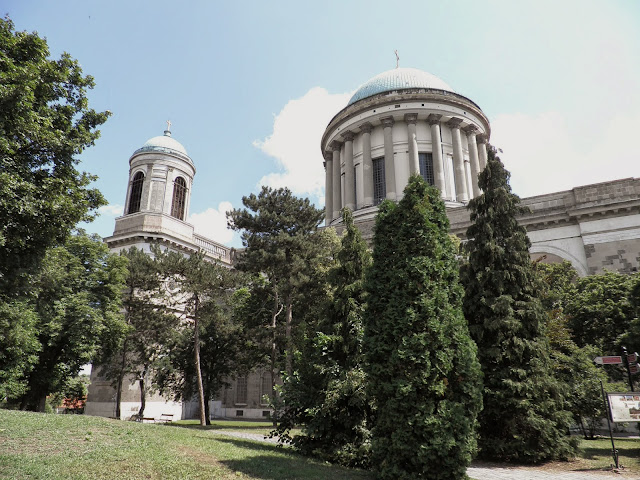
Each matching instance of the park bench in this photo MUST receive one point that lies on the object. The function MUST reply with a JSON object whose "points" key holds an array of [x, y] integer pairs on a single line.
{"points": [[148, 420], [166, 418]]}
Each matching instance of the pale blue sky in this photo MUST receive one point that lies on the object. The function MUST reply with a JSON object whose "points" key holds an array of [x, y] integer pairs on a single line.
{"points": [[249, 86]]}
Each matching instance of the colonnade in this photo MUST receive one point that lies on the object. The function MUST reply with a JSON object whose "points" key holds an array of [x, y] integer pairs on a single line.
{"points": [[465, 170]]}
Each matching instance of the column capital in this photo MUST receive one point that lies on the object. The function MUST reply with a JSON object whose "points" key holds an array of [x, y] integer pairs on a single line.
{"points": [[366, 127], [348, 135], [470, 129], [454, 122], [387, 121], [482, 138], [434, 119], [328, 155], [411, 118], [335, 145]]}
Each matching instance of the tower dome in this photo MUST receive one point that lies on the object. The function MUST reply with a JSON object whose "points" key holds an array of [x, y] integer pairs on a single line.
{"points": [[399, 79], [164, 144]]}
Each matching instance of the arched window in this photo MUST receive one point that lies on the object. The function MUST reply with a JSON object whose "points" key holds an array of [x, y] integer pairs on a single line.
{"points": [[136, 193], [179, 198]]}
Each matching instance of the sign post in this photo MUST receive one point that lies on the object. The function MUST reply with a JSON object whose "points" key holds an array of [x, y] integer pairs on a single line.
{"points": [[607, 406]]}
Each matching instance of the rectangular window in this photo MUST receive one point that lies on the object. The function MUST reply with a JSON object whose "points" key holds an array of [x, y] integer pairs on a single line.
{"points": [[265, 389], [426, 167], [241, 390], [355, 187], [379, 186]]}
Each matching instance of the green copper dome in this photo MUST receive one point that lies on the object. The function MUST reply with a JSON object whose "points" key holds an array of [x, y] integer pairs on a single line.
{"points": [[399, 79]]}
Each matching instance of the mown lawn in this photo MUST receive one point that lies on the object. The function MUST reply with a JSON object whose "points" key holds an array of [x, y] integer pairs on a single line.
{"points": [[55, 447], [52, 447]]}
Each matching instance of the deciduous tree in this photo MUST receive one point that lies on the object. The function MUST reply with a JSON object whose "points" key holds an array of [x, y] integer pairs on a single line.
{"points": [[77, 303], [45, 122]]}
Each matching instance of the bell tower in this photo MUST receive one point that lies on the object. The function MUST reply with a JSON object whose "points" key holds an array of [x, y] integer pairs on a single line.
{"points": [[158, 194]]}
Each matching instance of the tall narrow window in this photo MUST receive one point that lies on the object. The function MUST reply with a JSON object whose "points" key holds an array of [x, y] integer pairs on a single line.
{"points": [[426, 167], [241, 390], [136, 193], [265, 389], [179, 197], [379, 186], [355, 187]]}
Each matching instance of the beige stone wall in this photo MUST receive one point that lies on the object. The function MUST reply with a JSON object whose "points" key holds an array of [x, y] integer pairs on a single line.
{"points": [[620, 256]]}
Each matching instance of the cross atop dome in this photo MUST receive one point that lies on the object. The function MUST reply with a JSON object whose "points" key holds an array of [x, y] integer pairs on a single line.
{"points": [[167, 132]]}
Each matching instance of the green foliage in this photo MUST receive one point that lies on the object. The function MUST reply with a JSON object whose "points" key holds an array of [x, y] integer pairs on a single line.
{"points": [[44, 122], [204, 291], [422, 370], [77, 300], [283, 246], [600, 310], [326, 394], [19, 346], [525, 417], [149, 325]]}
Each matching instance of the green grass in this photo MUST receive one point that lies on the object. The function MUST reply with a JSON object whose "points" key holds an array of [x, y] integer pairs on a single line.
{"points": [[52, 447], [56, 447]]}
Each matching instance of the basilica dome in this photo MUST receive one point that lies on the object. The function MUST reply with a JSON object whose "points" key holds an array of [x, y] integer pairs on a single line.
{"points": [[399, 79]]}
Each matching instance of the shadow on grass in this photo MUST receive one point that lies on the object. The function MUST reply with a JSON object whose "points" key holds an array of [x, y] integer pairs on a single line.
{"points": [[285, 465], [624, 450], [235, 426]]}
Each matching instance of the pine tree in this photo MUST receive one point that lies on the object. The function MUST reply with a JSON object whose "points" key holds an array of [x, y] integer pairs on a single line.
{"points": [[326, 395], [422, 369], [524, 417]]}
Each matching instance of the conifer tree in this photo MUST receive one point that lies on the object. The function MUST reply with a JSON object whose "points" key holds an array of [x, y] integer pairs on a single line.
{"points": [[326, 395], [423, 373], [524, 417]]}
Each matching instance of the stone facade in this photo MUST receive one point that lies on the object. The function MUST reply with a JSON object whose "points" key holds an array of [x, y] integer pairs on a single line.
{"points": [[161, 175], [595, 227]]}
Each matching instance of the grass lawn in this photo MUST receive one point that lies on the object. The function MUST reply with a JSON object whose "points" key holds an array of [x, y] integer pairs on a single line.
{"points": [[52, 447]]}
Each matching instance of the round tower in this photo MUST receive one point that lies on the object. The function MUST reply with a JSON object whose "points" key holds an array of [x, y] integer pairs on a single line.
{"points": [[400, 122]]}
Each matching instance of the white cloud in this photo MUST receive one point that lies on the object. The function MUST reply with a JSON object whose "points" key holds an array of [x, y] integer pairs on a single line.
{"points": [[544, 154], [212, 223], [295, 142], [111, 210]]}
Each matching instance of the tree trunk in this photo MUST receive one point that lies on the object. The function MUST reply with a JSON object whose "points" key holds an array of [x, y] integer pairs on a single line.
{"points": [[289, 362], [196, 348], [143, 393], [207, 411], [274, 350], [120, 379]]}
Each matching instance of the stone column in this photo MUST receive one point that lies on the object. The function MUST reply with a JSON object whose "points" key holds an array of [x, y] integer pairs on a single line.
{"points": [[458, 161], [482, 150], [349, 174], [473, 158], [367, 165], [328, 190], [412, 140], [167, 203], [389, 164], [436, 152], [337, 197]]}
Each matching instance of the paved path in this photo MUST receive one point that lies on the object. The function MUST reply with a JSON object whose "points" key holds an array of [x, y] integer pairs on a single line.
{"points": [[481, 472]]}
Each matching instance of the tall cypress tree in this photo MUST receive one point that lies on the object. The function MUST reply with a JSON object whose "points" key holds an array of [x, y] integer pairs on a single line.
{"points": [[524, 417], [422, 369]]}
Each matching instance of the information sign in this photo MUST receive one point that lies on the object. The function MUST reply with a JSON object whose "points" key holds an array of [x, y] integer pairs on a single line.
{"points": [[611, 360], [625, 407]]}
